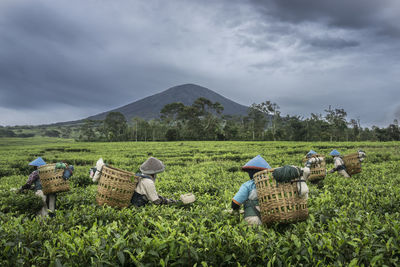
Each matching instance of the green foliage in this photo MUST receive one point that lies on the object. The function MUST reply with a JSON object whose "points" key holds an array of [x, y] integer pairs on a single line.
{"points": [[115, 126], [203, 120], [80, 180], [196, 122], [6, 132], [25, 202], [353, 222]]}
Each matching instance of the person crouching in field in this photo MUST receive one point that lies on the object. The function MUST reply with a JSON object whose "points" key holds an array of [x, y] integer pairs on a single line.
{"points": [[145, 191], [339, 164], [247, 193], [49, 201]]}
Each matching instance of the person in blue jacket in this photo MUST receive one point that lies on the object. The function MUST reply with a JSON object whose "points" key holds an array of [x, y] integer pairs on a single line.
{"points": [[247, 194]]}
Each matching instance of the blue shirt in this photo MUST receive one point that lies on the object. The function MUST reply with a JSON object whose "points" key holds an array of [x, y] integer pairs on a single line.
{"points": [[244, 191]]}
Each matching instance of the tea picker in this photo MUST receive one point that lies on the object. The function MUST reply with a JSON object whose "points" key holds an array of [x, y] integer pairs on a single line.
{"points": [[145, 191], [120, 188], [340, 167], [247, 194], [47, 180], [314, 167]]}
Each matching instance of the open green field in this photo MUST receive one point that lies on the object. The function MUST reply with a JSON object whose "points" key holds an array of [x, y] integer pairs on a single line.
{"points": [[352, 222]]}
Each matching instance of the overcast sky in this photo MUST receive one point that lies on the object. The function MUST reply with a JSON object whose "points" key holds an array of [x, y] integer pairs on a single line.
{"points": [[64, 60]]}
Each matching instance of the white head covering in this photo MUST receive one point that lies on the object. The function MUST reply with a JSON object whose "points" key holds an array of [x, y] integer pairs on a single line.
{"points": [[152, 166]]}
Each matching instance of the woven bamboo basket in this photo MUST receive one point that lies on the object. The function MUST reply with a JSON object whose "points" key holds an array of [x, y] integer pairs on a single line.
{"points": [[352, 163], [279, 202], [317, 170], [52, 180], [115, 187]]}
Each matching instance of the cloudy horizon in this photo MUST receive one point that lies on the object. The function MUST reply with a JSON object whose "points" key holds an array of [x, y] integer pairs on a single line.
{"points": [[67, 60]]}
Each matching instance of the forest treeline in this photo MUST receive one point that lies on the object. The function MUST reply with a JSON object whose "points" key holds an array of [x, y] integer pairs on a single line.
{"points": [[203, 120]]}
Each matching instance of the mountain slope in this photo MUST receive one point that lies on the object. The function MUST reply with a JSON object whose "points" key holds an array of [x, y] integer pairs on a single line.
{"points": [[149, 107]]}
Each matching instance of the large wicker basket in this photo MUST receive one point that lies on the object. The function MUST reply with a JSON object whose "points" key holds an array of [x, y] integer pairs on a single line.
{"points": [[279, 202], [52, 180], [115, 187], [352, 163], [317, 170]]}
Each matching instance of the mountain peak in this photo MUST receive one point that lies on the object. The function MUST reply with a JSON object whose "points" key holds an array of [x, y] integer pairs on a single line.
{"points": [[149, 107], [187, 87]]}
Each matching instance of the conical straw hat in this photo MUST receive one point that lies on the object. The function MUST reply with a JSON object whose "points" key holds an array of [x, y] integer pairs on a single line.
{"points": [[152, 166]]}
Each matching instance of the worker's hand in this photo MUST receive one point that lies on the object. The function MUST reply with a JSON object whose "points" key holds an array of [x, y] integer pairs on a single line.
{"points": [[171, 201], [332, 171], [233, 212], [25, 187], [21, 190], [230, 211]]}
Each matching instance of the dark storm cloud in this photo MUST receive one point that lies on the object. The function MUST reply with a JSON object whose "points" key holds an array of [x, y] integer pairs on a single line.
{"points": [[336, 43], [381, 16], [51, 54], [73, 58], [325, 24], [42, 54]]}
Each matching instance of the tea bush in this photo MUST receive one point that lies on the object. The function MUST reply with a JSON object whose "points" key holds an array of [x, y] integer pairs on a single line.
{"points": [[352, 222]]}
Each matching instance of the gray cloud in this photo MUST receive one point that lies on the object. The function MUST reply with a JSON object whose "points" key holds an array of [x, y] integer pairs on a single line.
{"points": [[90, 56], [397, 113], [357, 14], [333, 43]]}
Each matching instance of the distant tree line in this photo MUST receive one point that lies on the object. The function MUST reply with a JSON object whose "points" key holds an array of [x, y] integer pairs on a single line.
{"points": [[203, 120], [7, 132], [26, 131]]}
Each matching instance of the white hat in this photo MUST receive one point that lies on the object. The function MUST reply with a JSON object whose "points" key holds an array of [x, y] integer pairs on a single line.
{"points": [[152, 166]]}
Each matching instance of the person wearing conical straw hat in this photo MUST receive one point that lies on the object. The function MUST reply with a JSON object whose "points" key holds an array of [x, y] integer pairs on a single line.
{"points": [[247, 194], [339, 164], [311, 153], [49, 201], [145, 191], [308, 163]]}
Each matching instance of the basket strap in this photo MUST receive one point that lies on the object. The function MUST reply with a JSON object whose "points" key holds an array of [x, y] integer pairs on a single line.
{"points": [[299, 180]]}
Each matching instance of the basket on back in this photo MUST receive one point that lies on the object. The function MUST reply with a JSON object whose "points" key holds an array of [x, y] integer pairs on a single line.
{"points": [[318, 168], [279, 202], [352, 163], [52, 180], [115, 187]]}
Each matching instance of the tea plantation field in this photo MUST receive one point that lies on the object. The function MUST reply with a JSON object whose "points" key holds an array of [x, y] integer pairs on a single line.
{"points": [[353, 222]]}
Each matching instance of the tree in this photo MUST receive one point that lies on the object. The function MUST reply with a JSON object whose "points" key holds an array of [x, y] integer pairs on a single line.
{"points": [[172, 134], [355, 124], [317, 128], [271, 109], [87, 131], [52, 133], [256, 120], [115, 126], [4, 132], [337, 122], [66, 132], [393, 132], [200, 121], [170, 112], [296, 129]]}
